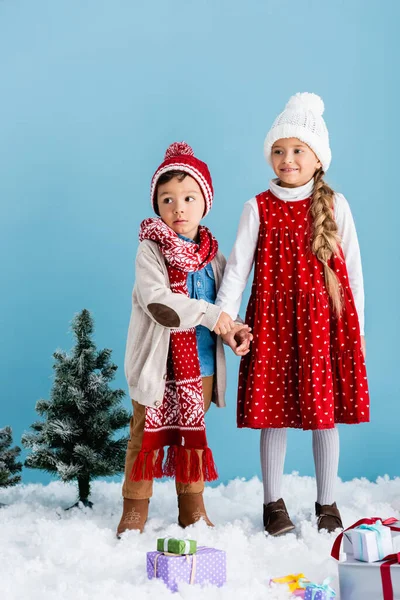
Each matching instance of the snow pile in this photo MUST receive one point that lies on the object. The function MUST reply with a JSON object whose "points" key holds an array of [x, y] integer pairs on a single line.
{"points": [[48, 554]]}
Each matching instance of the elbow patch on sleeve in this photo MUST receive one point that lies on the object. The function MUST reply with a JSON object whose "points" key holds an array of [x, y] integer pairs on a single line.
{"points": [[164, 315]]}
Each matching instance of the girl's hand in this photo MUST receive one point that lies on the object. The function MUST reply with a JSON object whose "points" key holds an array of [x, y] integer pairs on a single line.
{"points": [[363, 347], [224, 324], [239, 339]]}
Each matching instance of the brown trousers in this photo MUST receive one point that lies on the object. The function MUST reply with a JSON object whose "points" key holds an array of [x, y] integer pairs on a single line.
{"points": [[142, 490]]}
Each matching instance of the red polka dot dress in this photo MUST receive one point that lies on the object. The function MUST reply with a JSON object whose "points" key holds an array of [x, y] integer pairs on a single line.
{"points": [[305, 369]]}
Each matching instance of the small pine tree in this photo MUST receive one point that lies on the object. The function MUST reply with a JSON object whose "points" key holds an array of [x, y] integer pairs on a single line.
{"points": [[75, 440], [9, 466]]}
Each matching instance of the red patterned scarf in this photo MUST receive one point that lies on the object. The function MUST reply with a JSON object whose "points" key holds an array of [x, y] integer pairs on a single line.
{"points": [[179, 421]]}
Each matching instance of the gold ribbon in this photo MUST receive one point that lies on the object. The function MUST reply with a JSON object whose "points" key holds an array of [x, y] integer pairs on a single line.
{"points": [[292, 581], [194, 562]]}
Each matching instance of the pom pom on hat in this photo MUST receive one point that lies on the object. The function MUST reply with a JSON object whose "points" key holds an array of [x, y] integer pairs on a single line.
{"points": [[306, 101], [179, 156], [178, 149], [302, 119]]}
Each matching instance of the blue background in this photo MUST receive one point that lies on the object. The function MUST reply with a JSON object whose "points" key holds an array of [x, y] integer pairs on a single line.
{"points": [[91, 94]]}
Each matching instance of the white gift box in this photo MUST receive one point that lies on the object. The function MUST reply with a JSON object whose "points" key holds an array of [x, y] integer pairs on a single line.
{"points": [[363, 581], [348, 545], [371, 543]]}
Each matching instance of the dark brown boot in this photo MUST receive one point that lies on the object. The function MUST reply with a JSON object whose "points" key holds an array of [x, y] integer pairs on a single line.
{"points": [[276, 518], [192, 509], [329, 518], [134, 515]]}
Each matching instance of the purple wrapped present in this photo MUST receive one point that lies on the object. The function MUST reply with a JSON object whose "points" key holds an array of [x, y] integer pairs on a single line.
{"points": [[319, 592], [208, 565]]}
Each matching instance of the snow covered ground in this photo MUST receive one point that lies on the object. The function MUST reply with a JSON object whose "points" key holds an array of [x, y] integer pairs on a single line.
{"points": [[48, 554]]}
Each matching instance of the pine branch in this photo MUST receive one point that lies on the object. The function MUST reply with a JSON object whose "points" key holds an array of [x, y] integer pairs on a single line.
{"points": [[9, 465], [59, 429], [103, 358], [118, 418], [42, 459], [5, 438], [79, 398], [67, 472], [42, 406], [37, 426]]}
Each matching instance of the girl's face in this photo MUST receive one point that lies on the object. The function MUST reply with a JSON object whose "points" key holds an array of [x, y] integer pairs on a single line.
{"points": [[181, 205], [294, 162]]}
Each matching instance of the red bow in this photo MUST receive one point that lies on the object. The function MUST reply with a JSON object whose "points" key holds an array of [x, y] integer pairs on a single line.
{"points": [[387, 586], [387, 522]]}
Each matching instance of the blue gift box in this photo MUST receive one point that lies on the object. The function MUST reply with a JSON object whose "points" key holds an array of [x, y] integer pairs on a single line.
{"points": [[319, 592]]}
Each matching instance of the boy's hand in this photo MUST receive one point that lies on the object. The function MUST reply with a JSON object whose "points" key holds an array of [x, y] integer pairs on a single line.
{"points": [[224, 324], [363, 347], [239, 339]]}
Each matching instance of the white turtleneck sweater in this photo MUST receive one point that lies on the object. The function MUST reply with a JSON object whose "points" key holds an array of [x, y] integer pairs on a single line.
{"points": [[241, 259]]}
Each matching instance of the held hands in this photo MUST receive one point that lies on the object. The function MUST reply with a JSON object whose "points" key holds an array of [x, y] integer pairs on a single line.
{"points": [[224, 324], [235, 335], [239, 339]]}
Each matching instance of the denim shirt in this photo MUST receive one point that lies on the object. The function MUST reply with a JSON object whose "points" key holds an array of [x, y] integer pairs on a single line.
{"points": [[201, 286]]}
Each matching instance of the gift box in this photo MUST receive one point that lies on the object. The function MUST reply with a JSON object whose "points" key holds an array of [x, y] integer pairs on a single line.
{"points": [[370, 581], [392, 523], [371, 543], [314, 591], [207, 565], [298, 594], [292, 582], [176, 546]]}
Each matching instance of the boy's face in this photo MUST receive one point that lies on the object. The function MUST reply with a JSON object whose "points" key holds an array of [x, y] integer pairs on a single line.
{"points": [[181, 205], [294, 162]]}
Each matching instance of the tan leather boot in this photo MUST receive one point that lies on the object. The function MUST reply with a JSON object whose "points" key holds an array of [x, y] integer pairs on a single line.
{"points": [[134, 515], [192, 509]]}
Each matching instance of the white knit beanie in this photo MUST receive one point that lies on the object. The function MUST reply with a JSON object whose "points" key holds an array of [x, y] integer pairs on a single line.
{"points": [[302, 119]]}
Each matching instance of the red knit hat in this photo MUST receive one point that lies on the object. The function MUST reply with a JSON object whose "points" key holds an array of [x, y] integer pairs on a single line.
{"points": [[180, 157]]}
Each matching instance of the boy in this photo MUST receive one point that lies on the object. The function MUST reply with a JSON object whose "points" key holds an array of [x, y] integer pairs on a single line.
{"points": [[174, 363]]}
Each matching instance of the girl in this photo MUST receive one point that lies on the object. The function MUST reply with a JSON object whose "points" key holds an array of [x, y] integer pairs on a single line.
{"points": [[306, 366], [174, 364]]}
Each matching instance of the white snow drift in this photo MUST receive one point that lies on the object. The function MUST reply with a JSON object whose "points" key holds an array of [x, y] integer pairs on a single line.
{"points": [[49, 554]]}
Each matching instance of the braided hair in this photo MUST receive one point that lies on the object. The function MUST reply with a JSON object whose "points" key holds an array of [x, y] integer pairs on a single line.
{"points": [[325, 239]]}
